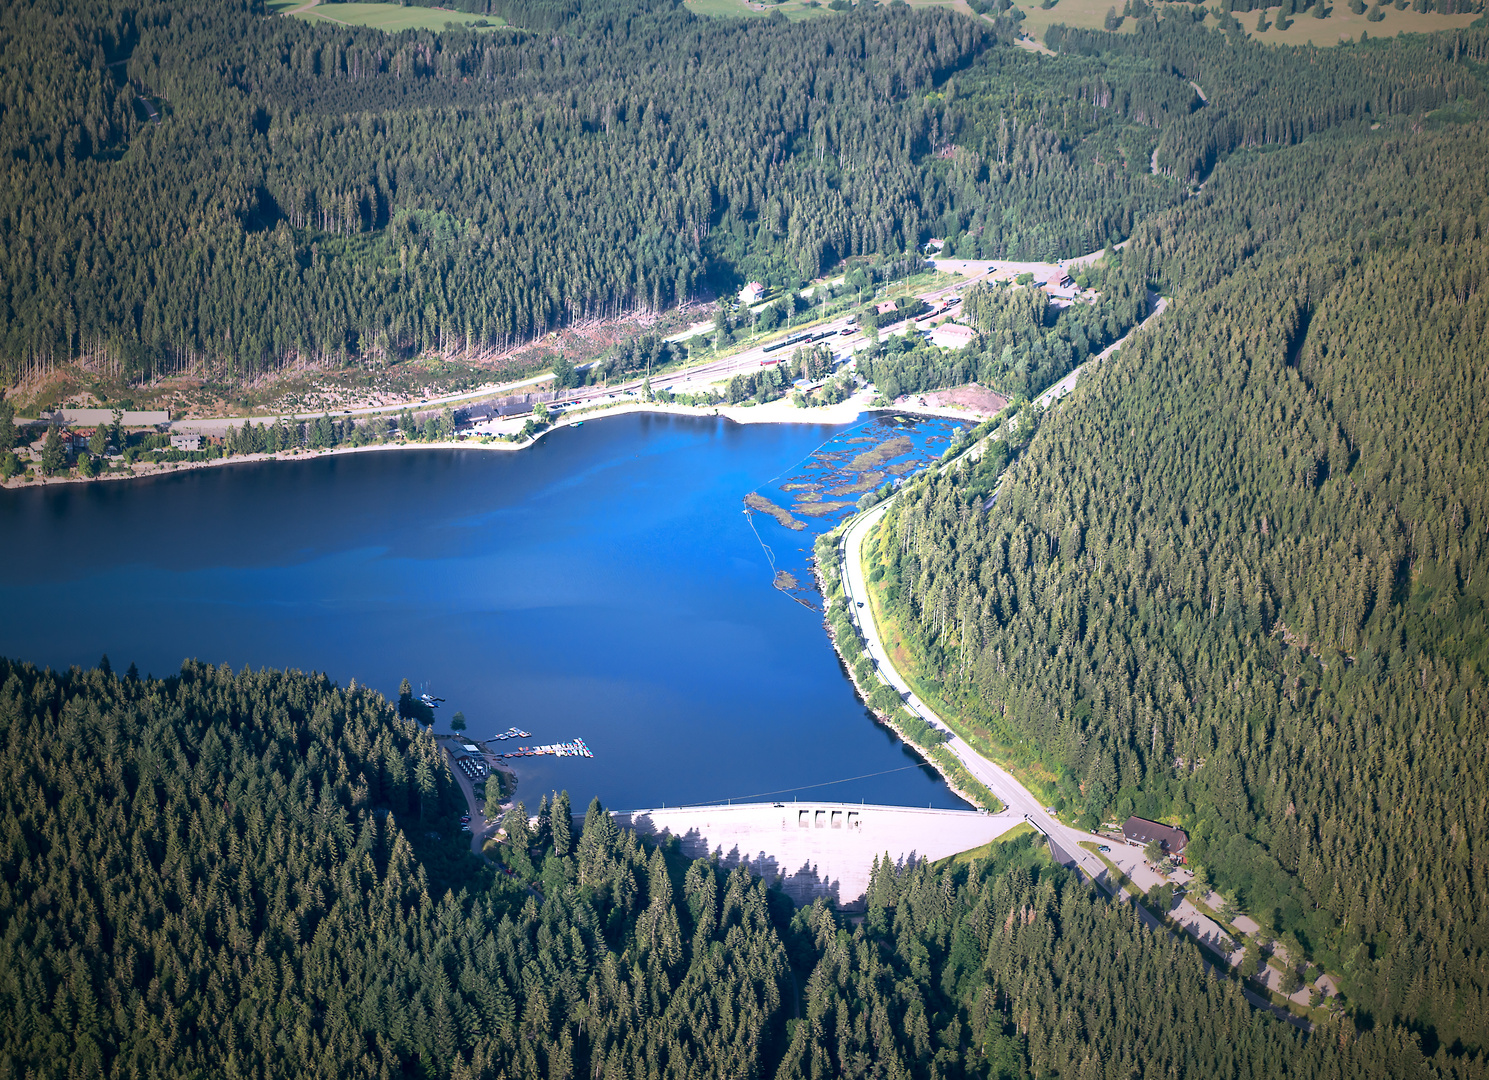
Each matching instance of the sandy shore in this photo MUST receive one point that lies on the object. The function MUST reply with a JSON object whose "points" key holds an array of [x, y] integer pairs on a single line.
{"points": [[781, 411]]}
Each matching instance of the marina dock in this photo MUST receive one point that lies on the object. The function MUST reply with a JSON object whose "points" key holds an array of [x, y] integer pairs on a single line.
{"points": [[568, 749]]}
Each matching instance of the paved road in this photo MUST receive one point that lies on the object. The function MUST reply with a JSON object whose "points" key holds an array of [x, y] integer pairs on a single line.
{"points": [[1156, 303], [479, 826], [1002, 784], [1064, 840], [217, 425]]}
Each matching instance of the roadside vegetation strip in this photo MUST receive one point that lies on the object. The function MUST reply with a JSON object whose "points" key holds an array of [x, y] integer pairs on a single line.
{"points": [[1119, 876], [882, 699], [907, 663]]}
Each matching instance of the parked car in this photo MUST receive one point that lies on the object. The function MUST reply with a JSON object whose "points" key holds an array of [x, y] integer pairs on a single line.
{"points": [[1102, 847]]}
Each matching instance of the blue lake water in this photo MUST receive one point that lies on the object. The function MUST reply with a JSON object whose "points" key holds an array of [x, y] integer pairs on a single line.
{"points": [[605, 584]]}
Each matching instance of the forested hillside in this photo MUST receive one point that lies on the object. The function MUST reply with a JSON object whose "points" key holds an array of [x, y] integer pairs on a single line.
{"points": [[212, 875], [333, 193], [1240, 578]]}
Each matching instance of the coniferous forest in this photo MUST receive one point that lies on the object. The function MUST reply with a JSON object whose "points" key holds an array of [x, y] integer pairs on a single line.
{"points": [[217, 873], [1240, 578], [337, 194], [1237, 580]]}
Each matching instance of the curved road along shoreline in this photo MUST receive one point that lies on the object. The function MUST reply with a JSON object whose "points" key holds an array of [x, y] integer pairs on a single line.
{"points": [[1064, 840], [997, 779]]}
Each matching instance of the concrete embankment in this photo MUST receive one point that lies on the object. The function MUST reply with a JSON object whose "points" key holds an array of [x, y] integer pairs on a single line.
{"points": [[819, 849]]}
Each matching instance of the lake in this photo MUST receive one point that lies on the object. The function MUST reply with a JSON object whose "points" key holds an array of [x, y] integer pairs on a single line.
{"points": [[606, 583]]}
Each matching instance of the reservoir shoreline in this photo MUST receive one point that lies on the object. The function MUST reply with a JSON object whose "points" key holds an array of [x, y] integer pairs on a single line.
{"points": [[775, 412], [607, 588], [825, 585]]}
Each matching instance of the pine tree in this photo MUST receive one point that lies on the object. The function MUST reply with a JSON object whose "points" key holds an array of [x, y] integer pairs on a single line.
{"points": [[53, 456]]}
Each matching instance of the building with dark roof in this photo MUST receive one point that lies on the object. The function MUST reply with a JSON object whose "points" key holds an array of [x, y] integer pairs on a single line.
{"points": [[1142, 831]]}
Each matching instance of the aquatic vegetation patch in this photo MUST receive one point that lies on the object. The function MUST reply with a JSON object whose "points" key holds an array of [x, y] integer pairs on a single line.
{"points": [[866, 482], [755, 501], [885, 452], [822, 509], [825, 486]]}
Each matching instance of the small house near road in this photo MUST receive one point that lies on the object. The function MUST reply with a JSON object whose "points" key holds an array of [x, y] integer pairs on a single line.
{"points": [[751, 293], [952, 336], [1142, 831], [1058, 284], [186, 440]]}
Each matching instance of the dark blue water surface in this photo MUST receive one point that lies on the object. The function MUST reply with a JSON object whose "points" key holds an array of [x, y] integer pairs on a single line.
{"points": [[604, 584]]}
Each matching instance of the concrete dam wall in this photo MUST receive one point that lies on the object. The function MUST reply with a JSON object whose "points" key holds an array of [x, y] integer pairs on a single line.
{"points": [[816, 849]]}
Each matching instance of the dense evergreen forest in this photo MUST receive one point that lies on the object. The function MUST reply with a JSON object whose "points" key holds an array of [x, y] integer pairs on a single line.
{"points": [[202, 181], [1240, 578], [226, 873]]}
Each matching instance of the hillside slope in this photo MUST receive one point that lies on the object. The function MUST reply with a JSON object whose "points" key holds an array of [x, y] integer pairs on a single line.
{"points": [[1240, 577]]}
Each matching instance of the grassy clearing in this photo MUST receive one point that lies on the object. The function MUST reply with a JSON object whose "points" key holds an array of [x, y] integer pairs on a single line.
{"points": [[795, 10], [966, 858], [1089, 14], [1344, 25], [387, 17]]}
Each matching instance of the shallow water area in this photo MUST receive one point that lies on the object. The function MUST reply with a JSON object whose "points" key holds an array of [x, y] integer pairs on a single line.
{"points": [[605, 584], [823, 489]]}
